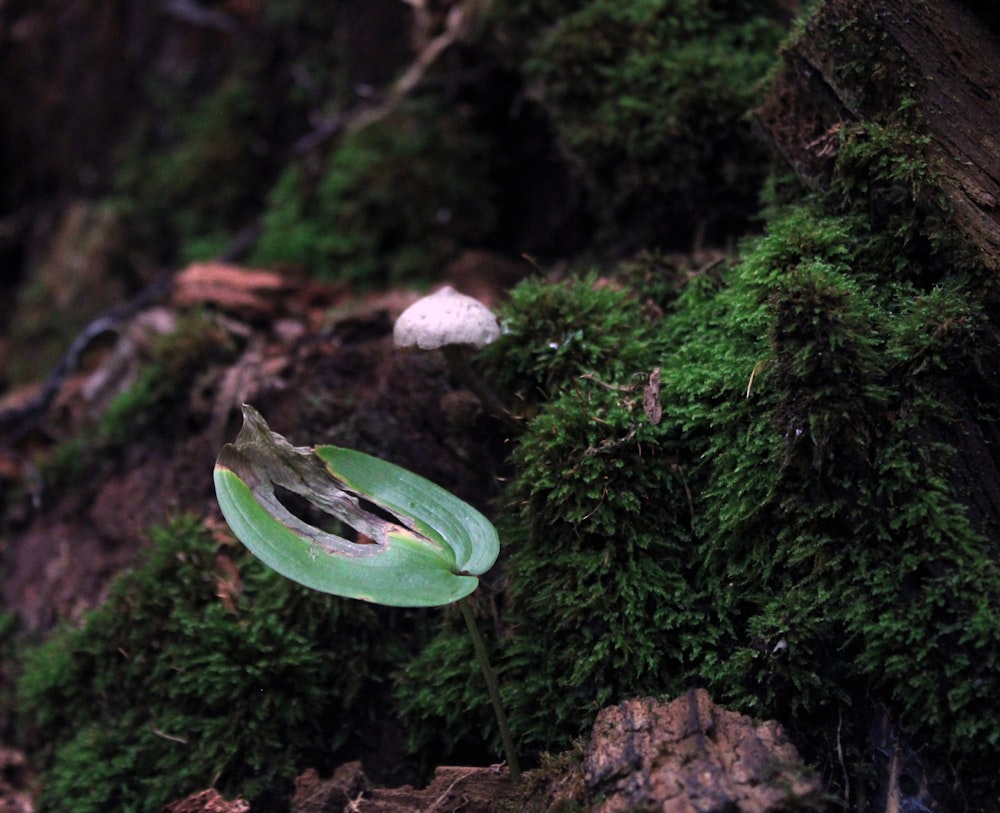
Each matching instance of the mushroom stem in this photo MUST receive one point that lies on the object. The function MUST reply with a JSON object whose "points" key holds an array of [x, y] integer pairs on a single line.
{"points": [[457, 358]]}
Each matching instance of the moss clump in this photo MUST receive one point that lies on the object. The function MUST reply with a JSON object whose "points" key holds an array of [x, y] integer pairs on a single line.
{"points": [[392, 203], [201, 668], [886, 175], [649, 100], [199, 181], [836, 520], [557, 786], [168, 373], [206, 138], [553, 334], [600, 597], [801, 532]]}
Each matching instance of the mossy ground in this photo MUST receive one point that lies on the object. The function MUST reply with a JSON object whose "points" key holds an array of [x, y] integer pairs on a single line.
{"points": [[203, 668], [805, 526], [795, 533], [391, 202], [649, 102]]}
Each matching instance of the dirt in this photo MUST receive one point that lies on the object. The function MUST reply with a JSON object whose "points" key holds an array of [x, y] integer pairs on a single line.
{"points": [[683, 756], [320, 366]]}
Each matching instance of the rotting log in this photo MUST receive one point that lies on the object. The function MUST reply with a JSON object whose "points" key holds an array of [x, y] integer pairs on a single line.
{"points": [[858, 62], [930, 72]]}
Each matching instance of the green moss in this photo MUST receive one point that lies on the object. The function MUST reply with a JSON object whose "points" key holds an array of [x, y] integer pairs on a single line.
{"points": [[800, 532], [832, 510], [648, 100], [167, 375], [442, 695], [210, 136], [554, 334], [195, 183], [602, 598], [202, 668], [601, 602], [888, 178], [393, 202]]}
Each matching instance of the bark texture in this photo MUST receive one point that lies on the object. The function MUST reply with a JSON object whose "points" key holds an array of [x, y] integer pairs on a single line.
{"points": [[690, 756], [864, 61]]}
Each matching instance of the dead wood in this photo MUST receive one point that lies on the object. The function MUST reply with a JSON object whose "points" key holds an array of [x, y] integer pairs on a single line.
{"points": [[858, 62]]}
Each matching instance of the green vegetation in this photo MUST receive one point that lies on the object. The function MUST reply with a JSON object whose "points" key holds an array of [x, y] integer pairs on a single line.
{"points": [[797, 533], [553, 334], [211, 135], [805, 529], [832, 513], [427, 555], [392, 203], [174, 361], [649, 102], [600, 598], [198, 183], [203, 668]]}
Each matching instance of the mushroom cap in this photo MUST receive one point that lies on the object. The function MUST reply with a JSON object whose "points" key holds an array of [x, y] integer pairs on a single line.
{"points": [[443, 318]]}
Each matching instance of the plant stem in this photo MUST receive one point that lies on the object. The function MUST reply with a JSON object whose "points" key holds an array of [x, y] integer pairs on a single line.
{"points": [[491, 684]]}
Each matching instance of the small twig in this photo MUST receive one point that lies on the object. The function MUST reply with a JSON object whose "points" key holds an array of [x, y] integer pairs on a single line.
{"points": [[676, 468], [840, 757], [756, 369], [444, 794], [190, 12], [456, 29], [166, 736], [19, 421]]}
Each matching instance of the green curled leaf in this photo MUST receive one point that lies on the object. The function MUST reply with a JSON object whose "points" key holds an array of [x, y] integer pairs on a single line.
{"points": [[429, 556]]}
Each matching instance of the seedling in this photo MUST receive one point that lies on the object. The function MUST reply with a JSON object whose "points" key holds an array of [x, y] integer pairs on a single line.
{"points": [[429, 553]]}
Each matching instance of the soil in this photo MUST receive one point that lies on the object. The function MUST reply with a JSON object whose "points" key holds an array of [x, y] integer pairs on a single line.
{"points": [[320, 365]]}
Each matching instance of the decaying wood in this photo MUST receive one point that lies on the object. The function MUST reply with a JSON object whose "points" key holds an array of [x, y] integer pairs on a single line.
{"points": [[858, 62], [453, 788], [692, 756], [207, 801]]}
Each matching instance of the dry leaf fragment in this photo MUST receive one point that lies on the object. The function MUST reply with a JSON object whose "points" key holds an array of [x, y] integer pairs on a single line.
{"points": [[229, 287]]}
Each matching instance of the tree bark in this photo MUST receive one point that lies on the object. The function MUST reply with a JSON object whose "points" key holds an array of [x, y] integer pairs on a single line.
{"points": [[865, 61]]}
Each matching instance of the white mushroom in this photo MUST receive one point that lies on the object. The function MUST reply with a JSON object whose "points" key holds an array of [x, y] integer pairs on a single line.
{"points": [[445, 318], [453, 322]]}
